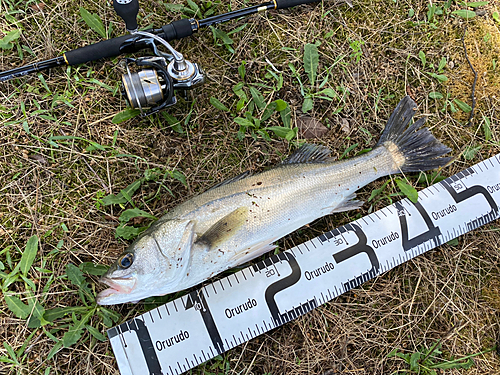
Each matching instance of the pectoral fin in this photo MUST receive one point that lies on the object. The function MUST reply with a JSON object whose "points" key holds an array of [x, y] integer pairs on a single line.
{"points": [[225, 228]]}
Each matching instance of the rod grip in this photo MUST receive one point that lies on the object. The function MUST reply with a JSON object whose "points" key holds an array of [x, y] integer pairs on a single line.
{"points": [[178, 29], [283, 4], [96, 51]]}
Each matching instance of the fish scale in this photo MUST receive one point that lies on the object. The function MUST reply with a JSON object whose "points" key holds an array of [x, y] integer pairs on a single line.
{"points": [[220, 315]]}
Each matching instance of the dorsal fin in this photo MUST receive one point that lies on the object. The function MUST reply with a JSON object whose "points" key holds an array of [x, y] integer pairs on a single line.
{"points": [[309, 153], [232, 179]]}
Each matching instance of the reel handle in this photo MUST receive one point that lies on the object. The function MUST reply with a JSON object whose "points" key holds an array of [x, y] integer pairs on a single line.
{"points": [[127, 10]]}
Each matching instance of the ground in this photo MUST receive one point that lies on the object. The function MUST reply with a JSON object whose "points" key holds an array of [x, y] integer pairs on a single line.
{"points": [[62, 155]]}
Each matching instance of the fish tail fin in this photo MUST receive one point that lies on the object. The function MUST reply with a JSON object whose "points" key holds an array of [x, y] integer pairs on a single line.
{"points": [[413, 148]]}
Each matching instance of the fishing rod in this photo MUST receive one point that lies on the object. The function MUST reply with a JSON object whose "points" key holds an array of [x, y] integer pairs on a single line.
{"points": [[152, 87]]}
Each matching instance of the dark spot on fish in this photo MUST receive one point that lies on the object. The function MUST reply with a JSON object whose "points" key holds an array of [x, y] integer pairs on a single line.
{"points": [[347, 188], [221, 251], [187, 274], [259, 183]]}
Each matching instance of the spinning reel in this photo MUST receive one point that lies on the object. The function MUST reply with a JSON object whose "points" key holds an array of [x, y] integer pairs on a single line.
{"points": [[154, 86]]}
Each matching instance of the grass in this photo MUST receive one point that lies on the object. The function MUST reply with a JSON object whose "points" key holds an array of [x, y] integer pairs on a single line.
{"points": [[62, 154]]}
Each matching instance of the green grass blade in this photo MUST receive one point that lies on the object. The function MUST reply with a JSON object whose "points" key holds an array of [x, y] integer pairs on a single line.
{"points": [[93, 21], [407, 190], [311, 61]]}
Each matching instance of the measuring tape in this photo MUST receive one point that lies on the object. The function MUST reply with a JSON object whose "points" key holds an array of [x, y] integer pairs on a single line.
{"points": [[190, 330]]}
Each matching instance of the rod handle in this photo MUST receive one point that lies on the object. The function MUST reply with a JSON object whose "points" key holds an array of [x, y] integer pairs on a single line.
{"points": [[96, 51], [283, 4]]}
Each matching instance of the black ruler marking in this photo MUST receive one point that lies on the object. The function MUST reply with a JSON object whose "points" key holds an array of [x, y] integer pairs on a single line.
{"points": [[204, 287]]}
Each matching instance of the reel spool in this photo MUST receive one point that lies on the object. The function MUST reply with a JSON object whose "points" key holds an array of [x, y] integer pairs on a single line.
{"points": [[151, 87]]}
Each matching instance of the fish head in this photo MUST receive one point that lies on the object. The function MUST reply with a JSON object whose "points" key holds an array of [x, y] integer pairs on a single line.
{"points": [[155, 264]]}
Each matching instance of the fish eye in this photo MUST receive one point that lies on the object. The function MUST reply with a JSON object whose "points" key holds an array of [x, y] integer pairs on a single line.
{"points": [[126, 261]]}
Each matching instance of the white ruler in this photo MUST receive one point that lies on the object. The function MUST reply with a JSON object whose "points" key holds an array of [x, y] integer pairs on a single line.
{"points": [[192, 329]]}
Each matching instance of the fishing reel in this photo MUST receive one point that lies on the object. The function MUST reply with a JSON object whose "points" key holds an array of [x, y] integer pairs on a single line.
{"points": [[150, 83]]}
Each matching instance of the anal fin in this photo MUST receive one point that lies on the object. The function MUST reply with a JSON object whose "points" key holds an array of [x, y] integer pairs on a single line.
{"points": [[348, 204], [251, 253]]}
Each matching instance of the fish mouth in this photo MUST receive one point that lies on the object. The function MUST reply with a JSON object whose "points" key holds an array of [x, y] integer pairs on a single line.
{"points": [[118, 285]]}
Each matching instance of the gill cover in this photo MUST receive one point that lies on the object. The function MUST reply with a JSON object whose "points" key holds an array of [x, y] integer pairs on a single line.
{"points": [[175, 239]]}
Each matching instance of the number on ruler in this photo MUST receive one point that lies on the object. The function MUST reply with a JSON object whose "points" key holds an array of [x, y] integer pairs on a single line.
{"points": [[360, 247], [280, 285], [197, 300], [432, 233], [270, 272], [468, 193]]}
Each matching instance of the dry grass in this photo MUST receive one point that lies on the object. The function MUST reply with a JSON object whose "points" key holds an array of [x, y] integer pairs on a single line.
{"points": [[451, 293]]}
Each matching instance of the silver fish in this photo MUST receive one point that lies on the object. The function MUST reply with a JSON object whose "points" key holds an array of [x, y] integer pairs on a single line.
{"points": [[240, 219]]}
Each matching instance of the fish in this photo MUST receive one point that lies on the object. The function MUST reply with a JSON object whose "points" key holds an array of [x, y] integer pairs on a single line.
{"points": [[241, 218]]}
